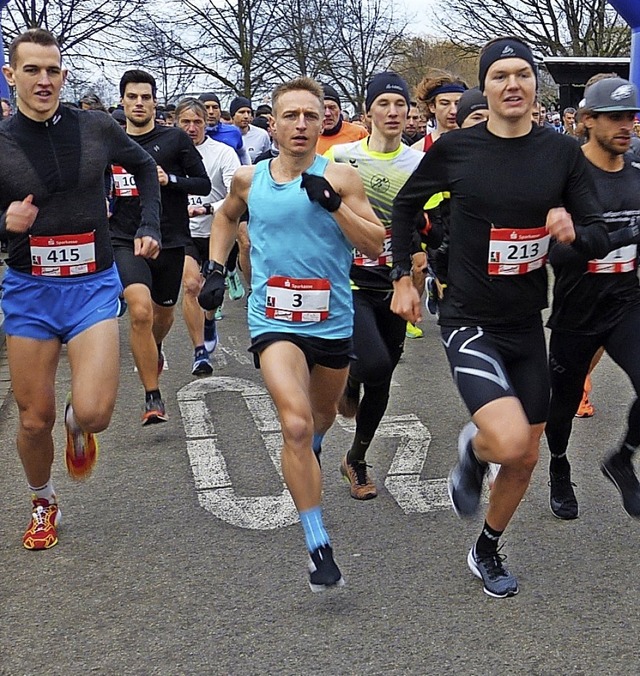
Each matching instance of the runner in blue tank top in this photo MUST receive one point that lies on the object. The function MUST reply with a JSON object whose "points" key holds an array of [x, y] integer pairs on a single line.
{"points": [[306, 215]]}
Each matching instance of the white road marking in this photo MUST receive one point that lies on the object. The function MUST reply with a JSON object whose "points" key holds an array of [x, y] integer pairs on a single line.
{"points": [[213, 483], [413, 495]]}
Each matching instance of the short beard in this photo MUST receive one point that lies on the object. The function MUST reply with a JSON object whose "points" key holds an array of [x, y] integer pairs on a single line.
{"points": [[140, 123]]}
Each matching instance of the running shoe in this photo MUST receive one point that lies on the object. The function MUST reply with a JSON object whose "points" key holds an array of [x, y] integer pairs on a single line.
{"points": [[362, 485], [217, 315], [622, 475], [202, 365], [432, 295], [562, 498], [323, 571], [498, 581], [236, 290], [42, 531], [350, 399], [81, 452], [154, 412], [210, 335], [162, 360], [413, 331], [465, 479], [122, 306], [586, 408]]}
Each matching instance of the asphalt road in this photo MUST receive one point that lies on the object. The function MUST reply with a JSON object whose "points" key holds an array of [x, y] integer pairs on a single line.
{"points": [[179, 556]]}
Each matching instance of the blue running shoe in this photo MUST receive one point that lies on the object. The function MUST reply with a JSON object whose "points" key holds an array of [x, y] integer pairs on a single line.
{"points": [[236, 290], [202, 365]]}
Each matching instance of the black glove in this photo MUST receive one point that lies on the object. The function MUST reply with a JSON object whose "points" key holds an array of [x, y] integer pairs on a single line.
{"points": [[319, 190], [212, 294], [630, 234]]}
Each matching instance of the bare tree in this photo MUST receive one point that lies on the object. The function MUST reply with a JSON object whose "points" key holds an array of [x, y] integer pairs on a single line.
{"points": [[232, 41], [417, 54], [360, 38], [552, 27], [84, 28]]}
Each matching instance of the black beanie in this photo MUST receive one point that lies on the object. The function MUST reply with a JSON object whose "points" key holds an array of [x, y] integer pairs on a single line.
{"points": [[504, 49], [331, 94], [469, 102], [239, 102], [209, 96], [386, 83]]}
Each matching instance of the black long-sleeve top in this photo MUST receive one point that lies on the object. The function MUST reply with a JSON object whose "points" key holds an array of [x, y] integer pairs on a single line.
{"points": [[498, 182], [62, 162], [174, 151]]}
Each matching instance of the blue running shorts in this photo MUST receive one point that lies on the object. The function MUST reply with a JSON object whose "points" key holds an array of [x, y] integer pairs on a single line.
{"points": [[44, 308]]}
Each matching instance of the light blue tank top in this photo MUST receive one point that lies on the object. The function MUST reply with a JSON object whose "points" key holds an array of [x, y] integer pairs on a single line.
{"points": [[296, 239]]}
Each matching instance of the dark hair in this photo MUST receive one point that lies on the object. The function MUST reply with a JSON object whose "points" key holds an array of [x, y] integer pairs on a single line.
{"points": [[137, 76], [36, 36]]}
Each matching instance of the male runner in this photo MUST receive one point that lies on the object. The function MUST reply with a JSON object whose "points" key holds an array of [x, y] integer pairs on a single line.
{"points": [[597, 302], [254, 140], [306, 214], [219, 131], [335, 128], [221, 162], [62, 285], [439, 93], [384, 164], [152, 287], [504, 199]]}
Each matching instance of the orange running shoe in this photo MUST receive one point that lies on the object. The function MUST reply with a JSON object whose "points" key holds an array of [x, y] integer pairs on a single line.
{"points": [[362, 485], [586, 408], [42, 531], [81, 453]]}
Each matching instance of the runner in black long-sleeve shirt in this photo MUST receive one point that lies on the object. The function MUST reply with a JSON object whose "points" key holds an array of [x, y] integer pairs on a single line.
{"points": [[508, 183], [62, 285], [596, 303], [151, 288]]}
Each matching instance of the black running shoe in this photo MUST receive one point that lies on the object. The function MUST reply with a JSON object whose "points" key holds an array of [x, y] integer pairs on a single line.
{"points": [[154, 412], [621, 473], [562, 498], [323, 571], [465, 479], [498, 581]]}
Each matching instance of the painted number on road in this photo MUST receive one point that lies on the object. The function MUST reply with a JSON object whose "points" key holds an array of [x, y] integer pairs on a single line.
{"points": [[215, 488]]}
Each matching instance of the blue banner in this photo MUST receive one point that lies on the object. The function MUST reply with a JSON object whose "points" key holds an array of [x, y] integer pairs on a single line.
{"points": [[4, 87], [629, 10]]}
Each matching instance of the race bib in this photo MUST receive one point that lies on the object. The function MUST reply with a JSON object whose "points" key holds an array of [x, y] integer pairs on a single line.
{"points": [[383, 259], [298, 300], [516, 251], [63, 255], [619, 260], [124, 182], [196, 200]]}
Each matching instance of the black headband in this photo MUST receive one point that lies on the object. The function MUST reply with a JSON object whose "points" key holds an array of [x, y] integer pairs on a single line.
{"points": [[504, 49]]}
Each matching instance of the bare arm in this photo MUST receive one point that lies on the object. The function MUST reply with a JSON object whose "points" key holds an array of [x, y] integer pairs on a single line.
{"points": [[355, 216], [224, 226]]}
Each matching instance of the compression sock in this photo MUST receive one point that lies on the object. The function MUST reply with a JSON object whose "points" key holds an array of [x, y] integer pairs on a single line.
{"points": [[559, 464], [45, 492], [487, 543], [358, 449], [314, 533], [626, 452]]}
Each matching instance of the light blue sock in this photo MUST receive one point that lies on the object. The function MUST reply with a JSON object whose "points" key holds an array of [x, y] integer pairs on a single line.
{"points": [[314, 533], [316, 444]]}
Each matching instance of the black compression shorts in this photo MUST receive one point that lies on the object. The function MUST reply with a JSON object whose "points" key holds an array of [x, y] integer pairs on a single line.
{"points": [[488, 364], [332, 354], [162, 275], [198, 249]]}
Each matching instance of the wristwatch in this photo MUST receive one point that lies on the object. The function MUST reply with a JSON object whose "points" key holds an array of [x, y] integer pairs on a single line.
{"points": [[208, 210], [397, 272], [211, 267]]}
